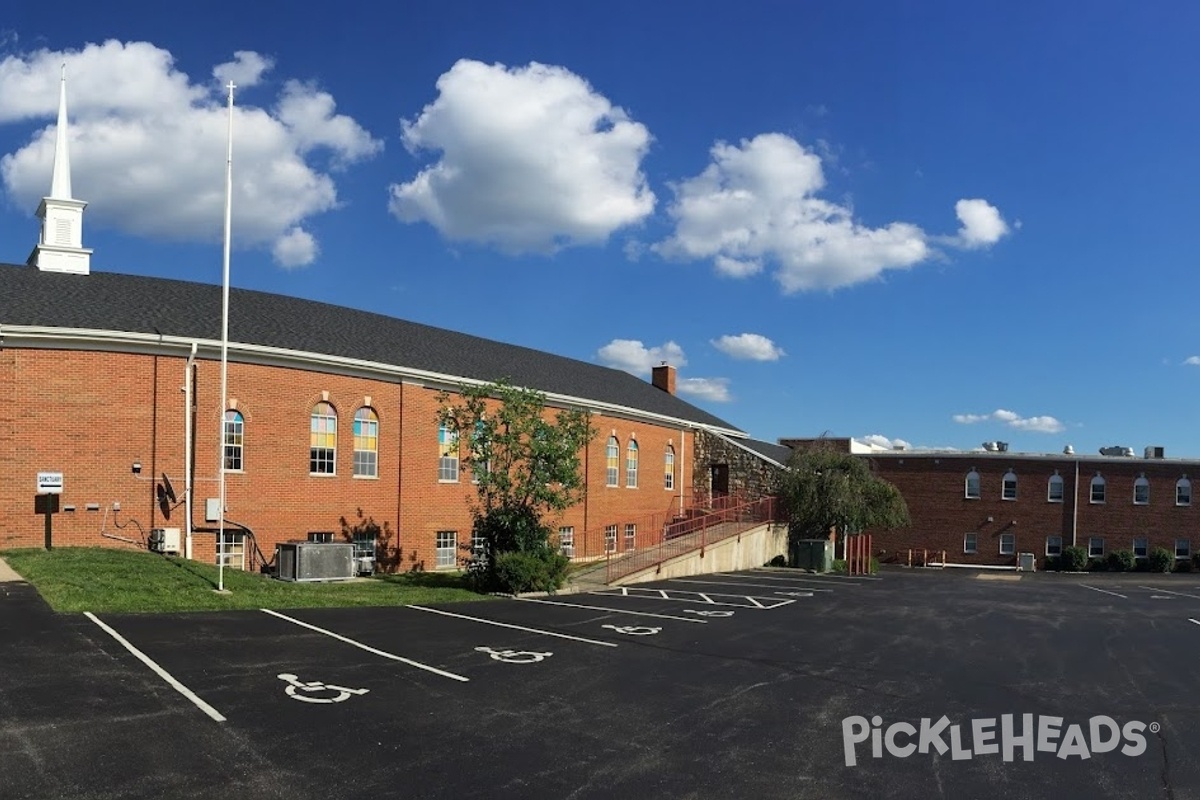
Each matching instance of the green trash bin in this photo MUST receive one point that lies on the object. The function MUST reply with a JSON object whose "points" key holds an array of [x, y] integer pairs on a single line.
{"points": [[814, 555]]}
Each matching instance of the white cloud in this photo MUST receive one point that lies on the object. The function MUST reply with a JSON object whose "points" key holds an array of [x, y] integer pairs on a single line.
{"points": [[296, 248], [715, 390], [245, 70], [759, 202], [982, 224], [880, 440], [148, 146], [749, 346], [1042, 424], [1193, 361], [532, 159], [634, 357]]}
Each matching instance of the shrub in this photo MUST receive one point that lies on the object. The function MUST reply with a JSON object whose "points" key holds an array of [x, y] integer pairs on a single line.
{"points": [[531, 571], [1161, 560], [839, 565], [1183, 566], [1073, 559], [1121, 560], [1051, 563], [778, 561]]}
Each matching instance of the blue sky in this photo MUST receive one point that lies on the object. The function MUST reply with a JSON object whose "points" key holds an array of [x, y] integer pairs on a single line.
{"points": [[943, 224]]}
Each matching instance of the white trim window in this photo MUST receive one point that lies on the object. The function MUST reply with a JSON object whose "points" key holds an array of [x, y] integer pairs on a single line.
{"points": [[610, 538], [1183, 492], [669, 468], [631, 465], [447, 454], [1141, 547], [1008, 544], [366, 443], [612, 458], [322, 440], [972, 485], [1098, 487], [1141, 491], [447, 549], [1054, 546], [970, 543], [566, 541], [233, 550], [1008, 487], [1054, 488], [1183, 549], [235, 437], [478, 545], [630, 536], [1095, 547]]}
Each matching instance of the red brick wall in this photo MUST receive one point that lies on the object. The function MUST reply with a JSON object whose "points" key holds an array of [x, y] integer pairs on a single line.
{"points": [[92, 415], [934, 489]]}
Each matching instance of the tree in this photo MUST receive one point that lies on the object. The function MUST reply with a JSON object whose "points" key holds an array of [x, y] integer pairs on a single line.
{"points": [[526, 465], [824, 489]]}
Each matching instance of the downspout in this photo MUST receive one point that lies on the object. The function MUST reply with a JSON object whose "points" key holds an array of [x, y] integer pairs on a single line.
{"points": [[1075, 509], [187, 452], [682, 471]]}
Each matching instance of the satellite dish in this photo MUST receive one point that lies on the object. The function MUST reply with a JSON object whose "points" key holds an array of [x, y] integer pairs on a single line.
{"points": [[168, 488]]}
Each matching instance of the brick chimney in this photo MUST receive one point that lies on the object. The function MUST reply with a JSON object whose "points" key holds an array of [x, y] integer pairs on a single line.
{"points": [[663, 377]]}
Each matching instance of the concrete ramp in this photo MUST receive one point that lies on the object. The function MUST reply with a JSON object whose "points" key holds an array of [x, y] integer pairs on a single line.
{"points": [[746, 549]]}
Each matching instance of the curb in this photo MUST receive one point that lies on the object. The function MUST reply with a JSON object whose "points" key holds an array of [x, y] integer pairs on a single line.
{"points": [[8, 574]]}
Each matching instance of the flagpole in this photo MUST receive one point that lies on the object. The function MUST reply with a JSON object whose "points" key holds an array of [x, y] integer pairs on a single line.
{"points": [[225, 340]]}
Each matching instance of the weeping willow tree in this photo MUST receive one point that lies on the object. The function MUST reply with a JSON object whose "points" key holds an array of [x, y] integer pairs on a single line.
{"points": [[826, 490]]}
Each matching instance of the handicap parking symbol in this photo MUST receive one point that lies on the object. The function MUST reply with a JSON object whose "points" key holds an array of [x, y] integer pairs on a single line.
{"points": [[705, 612], [316, 691], [514, 656], [634, 630]]}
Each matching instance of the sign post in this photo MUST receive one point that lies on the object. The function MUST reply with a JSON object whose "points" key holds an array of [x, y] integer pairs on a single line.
{"points": [[49, 487]]}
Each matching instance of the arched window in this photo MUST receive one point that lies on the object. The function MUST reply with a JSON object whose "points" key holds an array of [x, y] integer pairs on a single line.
{"points": [[1054, 490], [1098, 488], [972, 485], [447, 454], [366, 443], [612, 461], [235, 429], [669, 468], [1008, 489], [479, 463], [322, 447], [1141, 491], [631, 464], [1183, 492]]}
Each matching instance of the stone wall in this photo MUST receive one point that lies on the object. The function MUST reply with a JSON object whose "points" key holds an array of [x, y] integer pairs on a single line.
{"points": [[749, 474]]}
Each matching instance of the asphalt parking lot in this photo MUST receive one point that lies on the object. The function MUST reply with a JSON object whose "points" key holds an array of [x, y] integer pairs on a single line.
{"points": [[760, 684]]}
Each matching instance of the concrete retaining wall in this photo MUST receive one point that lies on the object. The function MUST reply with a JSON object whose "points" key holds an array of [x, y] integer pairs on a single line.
{"points": [[748, 550]]}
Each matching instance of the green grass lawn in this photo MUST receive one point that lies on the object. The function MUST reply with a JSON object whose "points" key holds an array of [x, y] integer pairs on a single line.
{"points": [[108, 580]]}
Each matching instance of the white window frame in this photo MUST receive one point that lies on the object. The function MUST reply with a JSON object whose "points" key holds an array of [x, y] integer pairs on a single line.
{"points": [[610, 538], [447, 455], [1008, 482], [234, 439], [1187, 549], [1056, 480], [669, 468], [1058, 549], [446, 550], [632, 457], [566, 541], [630, 536], [1098, 482], [1011, 540], [478, 544], [329, 458], [972, 477], [1145, 547], [366, 460], [970, 544], [1091, 547], [1141, 483], [1183, 491], [234, 550], [612, 461]]}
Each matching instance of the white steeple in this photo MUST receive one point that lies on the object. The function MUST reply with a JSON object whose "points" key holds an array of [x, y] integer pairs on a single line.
{"points": [[61, 246]]}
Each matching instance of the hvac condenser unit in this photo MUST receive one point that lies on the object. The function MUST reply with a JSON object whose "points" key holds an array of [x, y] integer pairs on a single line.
{"points": [[164, 540], [314, 561]]}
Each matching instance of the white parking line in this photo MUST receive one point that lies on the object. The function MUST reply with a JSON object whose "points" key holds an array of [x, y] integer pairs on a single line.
{"points": [[826, 575], [775, 586], [1194, 621], [762, 577], [510, 625], [368, 648], [684, 596], [1168, 591], [162, 673], [1106, 591], [605, 608]]}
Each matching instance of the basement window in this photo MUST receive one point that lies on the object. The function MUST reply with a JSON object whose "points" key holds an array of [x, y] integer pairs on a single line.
{"points": [[1008, 544], [969, 543], [1054, 545]]}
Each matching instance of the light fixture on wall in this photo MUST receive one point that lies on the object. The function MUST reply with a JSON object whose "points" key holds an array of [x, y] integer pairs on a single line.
{"points": [[136, 468]]}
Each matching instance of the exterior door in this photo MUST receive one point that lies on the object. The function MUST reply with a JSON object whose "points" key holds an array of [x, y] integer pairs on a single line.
{"points": [[719, 480]]}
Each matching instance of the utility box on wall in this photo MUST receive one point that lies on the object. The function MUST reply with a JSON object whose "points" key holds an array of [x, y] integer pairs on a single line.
{"points": [[314, 561]]}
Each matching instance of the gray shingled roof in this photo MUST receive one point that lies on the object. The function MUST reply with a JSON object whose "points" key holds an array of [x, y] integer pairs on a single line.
{"points": [[138, 304], [776, 452]]}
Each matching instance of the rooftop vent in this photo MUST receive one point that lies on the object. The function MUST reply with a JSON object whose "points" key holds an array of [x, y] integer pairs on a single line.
{"points": [[1154, 451], [1068, 450], [996, 447], [1117, 450]]}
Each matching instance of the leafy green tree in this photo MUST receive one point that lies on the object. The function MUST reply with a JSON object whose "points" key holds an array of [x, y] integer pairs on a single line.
{"points": [[526, 465], [824, 489]]}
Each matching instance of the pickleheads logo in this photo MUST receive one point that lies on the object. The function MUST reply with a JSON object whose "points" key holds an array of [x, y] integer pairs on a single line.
{"points": [[1040, 734]]}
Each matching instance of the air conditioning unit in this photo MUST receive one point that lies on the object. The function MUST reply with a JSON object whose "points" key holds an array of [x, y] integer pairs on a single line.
{"points": [[165, 540], [315, 561], [1154, 452]]}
